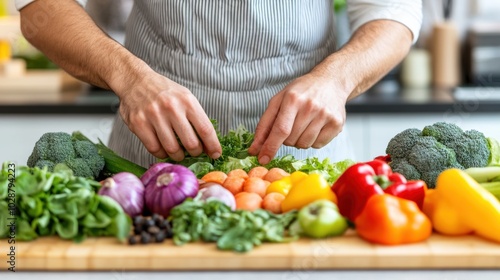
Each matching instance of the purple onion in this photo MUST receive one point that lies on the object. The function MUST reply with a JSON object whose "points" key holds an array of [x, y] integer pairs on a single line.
{"points": [[153, 171], [214, 191], [126, 189], [168, 186]]}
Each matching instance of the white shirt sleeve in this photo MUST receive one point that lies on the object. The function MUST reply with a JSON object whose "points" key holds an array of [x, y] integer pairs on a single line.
{"points": [[406, 12], [23, 3]]}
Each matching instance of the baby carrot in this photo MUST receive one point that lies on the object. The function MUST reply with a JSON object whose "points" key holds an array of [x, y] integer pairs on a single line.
{"points": [[214, 176], [275, 174], [258, 171]]}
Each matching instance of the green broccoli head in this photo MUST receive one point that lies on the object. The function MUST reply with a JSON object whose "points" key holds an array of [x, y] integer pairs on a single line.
{"points": [[81, 157], [55, 147], [425, 154], [400, 145]]}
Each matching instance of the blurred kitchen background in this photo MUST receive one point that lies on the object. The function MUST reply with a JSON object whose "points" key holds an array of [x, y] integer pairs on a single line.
{"points": [[459, 42], [451, 74]]}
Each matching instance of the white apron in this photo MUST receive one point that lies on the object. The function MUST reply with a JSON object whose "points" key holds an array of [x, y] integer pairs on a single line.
{"points": [[233, 55]]}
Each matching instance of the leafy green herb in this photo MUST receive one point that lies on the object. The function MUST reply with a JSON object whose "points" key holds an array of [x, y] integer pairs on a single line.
{"points": [[58, 203], [235, 155], [239, 230]]}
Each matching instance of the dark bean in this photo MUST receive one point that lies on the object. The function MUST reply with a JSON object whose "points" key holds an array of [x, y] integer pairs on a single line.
{"points": [[160, 237], [137, 230], [134, 239], [145, 238], [157, 218], [165, 224], [149, 222], [153, 229], [138, 221]]}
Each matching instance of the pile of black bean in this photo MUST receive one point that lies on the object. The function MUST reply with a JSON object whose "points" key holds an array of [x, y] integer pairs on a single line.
{"points": [[153, 229]]}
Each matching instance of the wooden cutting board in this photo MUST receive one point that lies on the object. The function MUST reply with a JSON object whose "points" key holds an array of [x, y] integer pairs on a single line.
{"points": [[347, 252]]}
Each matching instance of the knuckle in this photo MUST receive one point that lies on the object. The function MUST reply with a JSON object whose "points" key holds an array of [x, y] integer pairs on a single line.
{"points": [[283, 129], [318, 144], [172, 149], [289, 142], [204, 130], [302, 144], [191, 144]]}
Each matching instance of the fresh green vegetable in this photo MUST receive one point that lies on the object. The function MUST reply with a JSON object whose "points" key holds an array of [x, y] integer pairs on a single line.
{"points": [[81, 156], [424, 154], [240, 230], [235, 155], [488, 177], [113, 163], [56, 203], [321, 219]]}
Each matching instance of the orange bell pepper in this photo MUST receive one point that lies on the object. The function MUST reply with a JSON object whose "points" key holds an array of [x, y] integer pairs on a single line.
{"points": [[391, 220]]}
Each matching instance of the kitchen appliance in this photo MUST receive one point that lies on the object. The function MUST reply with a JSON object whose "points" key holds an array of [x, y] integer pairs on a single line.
{"points": [[482, 55]]}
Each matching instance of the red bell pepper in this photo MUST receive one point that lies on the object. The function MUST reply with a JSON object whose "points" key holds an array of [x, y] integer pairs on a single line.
{"points": [[360, 181], [386, 158]]}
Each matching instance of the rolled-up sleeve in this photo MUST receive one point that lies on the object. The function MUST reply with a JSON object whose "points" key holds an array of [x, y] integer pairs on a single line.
{"points": [[23, 3], [406, 12]]}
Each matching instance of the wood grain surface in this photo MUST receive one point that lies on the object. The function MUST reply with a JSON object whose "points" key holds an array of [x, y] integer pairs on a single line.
{"points": [[347, 252]]}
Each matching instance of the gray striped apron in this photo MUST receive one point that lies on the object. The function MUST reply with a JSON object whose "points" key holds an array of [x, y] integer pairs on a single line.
{"points": [[233, 55]]}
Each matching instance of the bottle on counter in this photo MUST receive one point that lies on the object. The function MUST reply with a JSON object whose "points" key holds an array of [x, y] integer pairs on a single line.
{"points": [[416, 69], [445, 50]]}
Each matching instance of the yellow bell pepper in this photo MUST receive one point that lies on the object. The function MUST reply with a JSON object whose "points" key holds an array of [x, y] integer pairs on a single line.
{"points": [[459, 205], [284, 184], [307, 190]]}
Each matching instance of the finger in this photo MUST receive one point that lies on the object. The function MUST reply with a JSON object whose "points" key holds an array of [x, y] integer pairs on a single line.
{"points": [[188, 137], [310, 134], [149, 138], [279, 132], [207, 134], [146, 134], [325, 136], [265, 125], [302, 121], [169, 142]]}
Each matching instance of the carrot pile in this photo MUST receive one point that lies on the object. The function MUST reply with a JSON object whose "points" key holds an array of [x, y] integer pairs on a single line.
{"points": [[250, 188]]}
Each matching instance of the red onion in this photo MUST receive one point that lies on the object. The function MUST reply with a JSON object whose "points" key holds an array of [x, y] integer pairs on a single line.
{"points": [[217, 192], [168, 186], [152, 171], [126, 189]]}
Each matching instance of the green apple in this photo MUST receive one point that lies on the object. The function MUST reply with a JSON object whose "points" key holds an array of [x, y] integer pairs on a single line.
{"points": [[322, 219]]}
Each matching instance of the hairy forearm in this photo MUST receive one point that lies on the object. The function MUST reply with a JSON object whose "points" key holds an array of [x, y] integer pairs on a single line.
{"points": [[64, 32], [373, 50]]}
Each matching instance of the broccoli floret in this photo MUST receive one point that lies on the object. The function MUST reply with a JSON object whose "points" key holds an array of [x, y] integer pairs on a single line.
{"points": [[425, 154], [401, 165], [42, 163], [430, 178], [426, 148], [472, 149], [89, 152], [443, 132], [399, 146], [81, 157]]}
